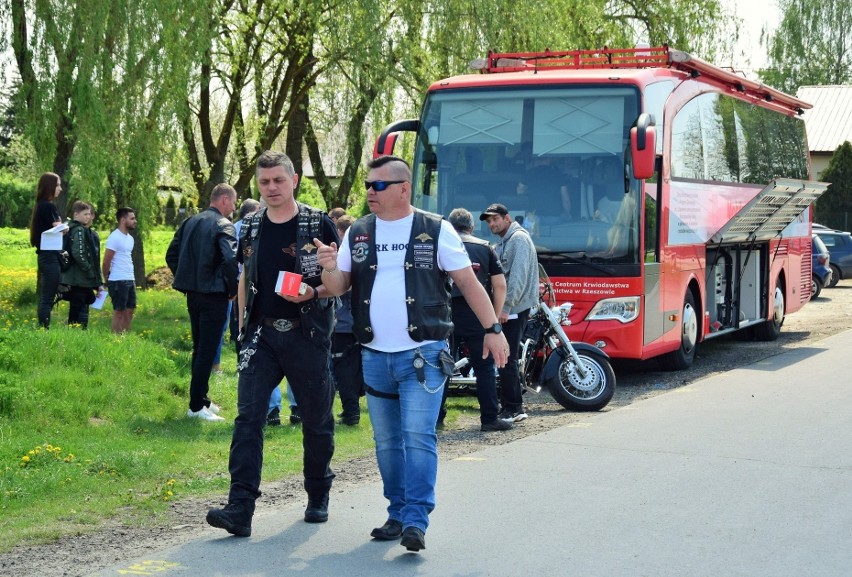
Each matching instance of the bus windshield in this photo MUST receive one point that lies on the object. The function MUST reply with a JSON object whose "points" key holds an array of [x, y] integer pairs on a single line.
{"points": [[557, 157]]}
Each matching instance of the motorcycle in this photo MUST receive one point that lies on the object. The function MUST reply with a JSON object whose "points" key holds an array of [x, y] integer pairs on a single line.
{"points": [[578, 376]]}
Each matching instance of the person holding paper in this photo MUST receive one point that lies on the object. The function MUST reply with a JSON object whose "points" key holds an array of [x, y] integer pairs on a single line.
{"points": [[203, 258], [84, 275], [46, 216], [282, 336]]}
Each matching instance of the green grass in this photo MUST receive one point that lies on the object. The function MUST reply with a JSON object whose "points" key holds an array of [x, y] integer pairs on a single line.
{"points": [[92, 424]]}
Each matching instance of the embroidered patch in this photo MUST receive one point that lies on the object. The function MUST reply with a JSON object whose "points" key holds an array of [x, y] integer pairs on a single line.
{"points": [[423, 237], [309, 247], [424, 255], [289, 250], [248, 251], [360, 250]]}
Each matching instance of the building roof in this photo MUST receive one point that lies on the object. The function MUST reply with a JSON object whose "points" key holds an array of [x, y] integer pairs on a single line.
{"points": [[829, 122]]}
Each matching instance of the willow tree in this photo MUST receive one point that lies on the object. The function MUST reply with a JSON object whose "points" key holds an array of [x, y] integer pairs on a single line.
{"points": [[812, 45], [380, 57], [99, 83]]}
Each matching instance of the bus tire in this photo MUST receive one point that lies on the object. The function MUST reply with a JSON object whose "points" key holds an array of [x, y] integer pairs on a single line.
{"points": [[770, 330], [684, 355]]}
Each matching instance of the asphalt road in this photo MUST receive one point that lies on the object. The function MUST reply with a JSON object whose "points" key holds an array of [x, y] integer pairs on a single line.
{"points": [[746, 473]]}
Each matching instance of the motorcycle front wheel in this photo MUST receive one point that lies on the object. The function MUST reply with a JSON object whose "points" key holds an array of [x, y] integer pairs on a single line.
{"points": [[576, 392]]}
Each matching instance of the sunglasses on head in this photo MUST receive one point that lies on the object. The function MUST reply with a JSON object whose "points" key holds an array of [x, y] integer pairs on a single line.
{"points": [[380, 185]]}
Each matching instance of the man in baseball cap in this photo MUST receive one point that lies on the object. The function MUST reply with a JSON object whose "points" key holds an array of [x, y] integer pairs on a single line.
{"points": [[495, 209]]}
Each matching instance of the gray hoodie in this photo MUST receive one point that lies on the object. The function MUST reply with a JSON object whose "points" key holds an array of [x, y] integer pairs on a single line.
{"points": [[516, 252]]}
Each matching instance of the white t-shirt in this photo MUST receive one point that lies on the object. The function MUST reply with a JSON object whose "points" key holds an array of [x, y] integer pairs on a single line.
{"points": [[121, 267], [388, 313]]}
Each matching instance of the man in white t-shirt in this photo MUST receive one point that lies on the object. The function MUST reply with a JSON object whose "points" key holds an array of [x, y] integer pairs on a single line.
{"points": [[400, 258], [118, 270]]}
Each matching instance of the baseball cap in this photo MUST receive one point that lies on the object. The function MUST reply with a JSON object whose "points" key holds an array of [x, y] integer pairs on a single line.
{"points": [[494, 210]]}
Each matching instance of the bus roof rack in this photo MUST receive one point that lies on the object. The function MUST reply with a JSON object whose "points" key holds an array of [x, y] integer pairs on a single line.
{"points": [[633, 58]]}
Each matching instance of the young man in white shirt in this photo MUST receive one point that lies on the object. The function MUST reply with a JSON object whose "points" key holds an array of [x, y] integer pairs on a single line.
{"points": [[118, 270]]}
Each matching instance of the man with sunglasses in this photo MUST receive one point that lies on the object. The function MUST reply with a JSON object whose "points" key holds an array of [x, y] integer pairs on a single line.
{"points": [[281, 336], [401, 259]]}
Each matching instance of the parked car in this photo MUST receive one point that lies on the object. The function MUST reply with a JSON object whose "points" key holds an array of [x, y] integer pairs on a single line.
{"points": [[839, 245], [820, 268]]}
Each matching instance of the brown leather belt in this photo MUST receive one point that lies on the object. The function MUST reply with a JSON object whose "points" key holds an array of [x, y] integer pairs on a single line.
{"points": [[281, 325]]}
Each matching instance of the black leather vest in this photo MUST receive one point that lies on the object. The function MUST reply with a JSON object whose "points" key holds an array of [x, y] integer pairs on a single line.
{"points": [[427, 288], [317, 316]]}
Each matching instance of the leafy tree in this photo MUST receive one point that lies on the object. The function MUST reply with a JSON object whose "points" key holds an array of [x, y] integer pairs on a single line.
{"points": [[98, 86], [811, 46], [834, 207]]}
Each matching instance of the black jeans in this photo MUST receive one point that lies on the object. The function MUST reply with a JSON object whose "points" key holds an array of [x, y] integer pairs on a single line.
{"points": [[348, 375], [483, 369], [510, 379], [207, 314], [78, 306], [267, 357], [49, 274]]}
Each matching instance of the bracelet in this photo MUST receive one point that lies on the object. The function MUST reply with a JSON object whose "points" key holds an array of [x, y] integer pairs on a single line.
{"points": [[330, 270]]}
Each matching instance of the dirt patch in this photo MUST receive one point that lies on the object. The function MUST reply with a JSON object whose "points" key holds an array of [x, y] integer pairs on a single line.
{"points": [[119, 541], [160, 278]]}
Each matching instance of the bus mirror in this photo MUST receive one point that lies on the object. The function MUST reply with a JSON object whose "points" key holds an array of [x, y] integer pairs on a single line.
{"points": [[643, 145], [387, 139]]}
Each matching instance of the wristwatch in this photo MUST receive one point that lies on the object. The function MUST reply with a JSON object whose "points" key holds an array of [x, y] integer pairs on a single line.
{"points": [[494, 329]]}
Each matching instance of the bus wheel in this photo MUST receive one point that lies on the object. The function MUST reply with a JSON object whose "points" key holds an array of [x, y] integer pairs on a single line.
{"points": [[771, 329], [682, 358]]}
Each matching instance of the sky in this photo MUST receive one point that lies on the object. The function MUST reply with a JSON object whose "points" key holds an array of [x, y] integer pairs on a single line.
{"points": [[756, 14]]}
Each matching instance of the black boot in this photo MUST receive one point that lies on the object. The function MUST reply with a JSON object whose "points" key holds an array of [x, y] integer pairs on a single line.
{"points": [[235, 518], [317, 510]]}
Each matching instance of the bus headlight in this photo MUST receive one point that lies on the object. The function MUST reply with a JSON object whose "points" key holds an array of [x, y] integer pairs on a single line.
{"points": [[623, 310]]}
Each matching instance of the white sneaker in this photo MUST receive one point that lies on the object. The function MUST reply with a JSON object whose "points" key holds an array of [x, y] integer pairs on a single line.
{"points": [[214, 408], [203, 414]]}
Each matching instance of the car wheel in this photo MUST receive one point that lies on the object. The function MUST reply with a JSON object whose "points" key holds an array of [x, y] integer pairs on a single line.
{"points": [[835, 276], [816, 287]]}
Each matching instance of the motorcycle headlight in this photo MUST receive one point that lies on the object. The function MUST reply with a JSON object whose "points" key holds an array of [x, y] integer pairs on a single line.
{"points": [[623, 310], [561, 312]]}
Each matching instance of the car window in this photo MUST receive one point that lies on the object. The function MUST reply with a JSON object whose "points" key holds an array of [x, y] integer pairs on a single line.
{"points": [[828, 239]]}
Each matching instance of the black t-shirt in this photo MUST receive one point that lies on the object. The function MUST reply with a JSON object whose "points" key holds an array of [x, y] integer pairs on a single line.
{"points": [[46, 214], [277, 252], [485, 265]]}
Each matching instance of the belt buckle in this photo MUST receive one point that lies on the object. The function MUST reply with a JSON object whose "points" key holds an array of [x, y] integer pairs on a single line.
{"points": [[282, 325]]}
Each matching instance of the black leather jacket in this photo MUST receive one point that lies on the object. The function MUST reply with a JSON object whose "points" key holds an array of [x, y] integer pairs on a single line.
{"points": [[203, 255]]}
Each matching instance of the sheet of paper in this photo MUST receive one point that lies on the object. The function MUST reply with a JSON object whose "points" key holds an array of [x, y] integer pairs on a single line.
{"points": [[100, 300], [51, 239]]}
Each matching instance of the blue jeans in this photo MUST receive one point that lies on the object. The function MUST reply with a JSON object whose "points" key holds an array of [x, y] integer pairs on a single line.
{"points": [[275, 398], [266, 358], [404, 428]]}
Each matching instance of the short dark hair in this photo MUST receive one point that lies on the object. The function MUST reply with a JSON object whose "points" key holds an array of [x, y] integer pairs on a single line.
{"points": [[80, 206], [273, 158], [220, 190], [248, 207], [122, 212], [399, 167], [336, 212], [461, 219], [344, 222]]}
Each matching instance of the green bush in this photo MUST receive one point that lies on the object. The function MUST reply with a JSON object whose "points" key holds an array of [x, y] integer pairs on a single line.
{"points": [[309, 193], [17, 198]]}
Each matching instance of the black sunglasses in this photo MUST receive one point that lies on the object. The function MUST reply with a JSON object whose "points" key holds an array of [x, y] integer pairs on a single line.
{"points": [[380, 185]]}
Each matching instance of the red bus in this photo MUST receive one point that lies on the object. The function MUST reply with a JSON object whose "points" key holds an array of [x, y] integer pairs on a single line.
{"points": [[668, 199]]}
